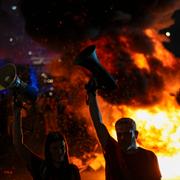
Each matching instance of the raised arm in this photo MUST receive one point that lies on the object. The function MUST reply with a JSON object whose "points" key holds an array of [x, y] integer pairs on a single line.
{"points": [[21, 149], [101, 130]]}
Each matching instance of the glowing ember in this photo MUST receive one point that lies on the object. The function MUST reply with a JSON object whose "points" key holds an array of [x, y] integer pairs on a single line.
{"points": [[140, 61]]}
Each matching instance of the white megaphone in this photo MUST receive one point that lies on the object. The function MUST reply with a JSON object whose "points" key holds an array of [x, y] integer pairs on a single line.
{"points": [[10, 80]]}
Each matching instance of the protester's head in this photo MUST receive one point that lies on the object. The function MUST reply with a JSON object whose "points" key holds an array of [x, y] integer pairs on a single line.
{"points": [[56, 148], [126, 133]]}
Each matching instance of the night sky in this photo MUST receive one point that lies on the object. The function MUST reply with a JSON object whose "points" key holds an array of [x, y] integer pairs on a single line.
{"points": [[16, 45]]}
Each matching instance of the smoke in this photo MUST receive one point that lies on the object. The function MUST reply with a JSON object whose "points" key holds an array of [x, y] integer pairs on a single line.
{"points": [[66, 26], [173, 43], [59, 23], [135, 86]]}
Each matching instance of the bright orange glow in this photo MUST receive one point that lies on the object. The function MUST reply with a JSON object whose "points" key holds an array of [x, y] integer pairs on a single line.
{"points": [[158, 128], [140, 61], [160, 52]]}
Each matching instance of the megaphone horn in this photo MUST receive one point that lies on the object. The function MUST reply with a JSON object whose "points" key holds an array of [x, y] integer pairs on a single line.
{"points": [[89, 60], [10, 80]]}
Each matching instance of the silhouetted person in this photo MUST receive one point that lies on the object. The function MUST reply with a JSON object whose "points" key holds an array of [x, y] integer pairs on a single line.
{"points": [[56, 165], [124, 160]]}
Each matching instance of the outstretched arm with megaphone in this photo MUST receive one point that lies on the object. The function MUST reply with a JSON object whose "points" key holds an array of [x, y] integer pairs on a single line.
{"points": [[101, 130], [101, 79], [23, 151], [22, 92], [110, 148]]}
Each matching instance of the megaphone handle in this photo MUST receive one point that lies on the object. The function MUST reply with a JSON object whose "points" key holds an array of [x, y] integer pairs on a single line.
{"points": [[16, 100], [18, 103], [91, 88]]}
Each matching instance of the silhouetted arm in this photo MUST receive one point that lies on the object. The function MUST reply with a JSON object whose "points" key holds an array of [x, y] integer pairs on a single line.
{"points": [[75, 175], [100, 128], [21, 149]]}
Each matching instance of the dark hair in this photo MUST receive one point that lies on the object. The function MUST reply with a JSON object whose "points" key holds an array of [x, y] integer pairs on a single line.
{"points": [[126, 120], [54, 137]]}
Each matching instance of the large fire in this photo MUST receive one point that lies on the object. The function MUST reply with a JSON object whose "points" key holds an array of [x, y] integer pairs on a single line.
{"points": [[158, 131], [156, 111]]}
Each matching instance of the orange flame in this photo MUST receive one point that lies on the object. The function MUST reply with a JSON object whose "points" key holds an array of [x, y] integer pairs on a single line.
{"points": [[160, 52]]}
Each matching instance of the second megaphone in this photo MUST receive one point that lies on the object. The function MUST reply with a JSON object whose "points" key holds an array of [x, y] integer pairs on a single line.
{"points": [[10, 80], [88, 59]]}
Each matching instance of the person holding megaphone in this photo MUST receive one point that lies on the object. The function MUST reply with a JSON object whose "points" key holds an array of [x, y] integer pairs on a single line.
{"points": [[55, 165], [124, 159]]}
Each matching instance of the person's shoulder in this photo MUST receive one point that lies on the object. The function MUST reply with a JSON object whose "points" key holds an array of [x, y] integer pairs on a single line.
{"points": [[146, 151], [36, 158], [73, 167], [74, 171], [35, 164]]}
